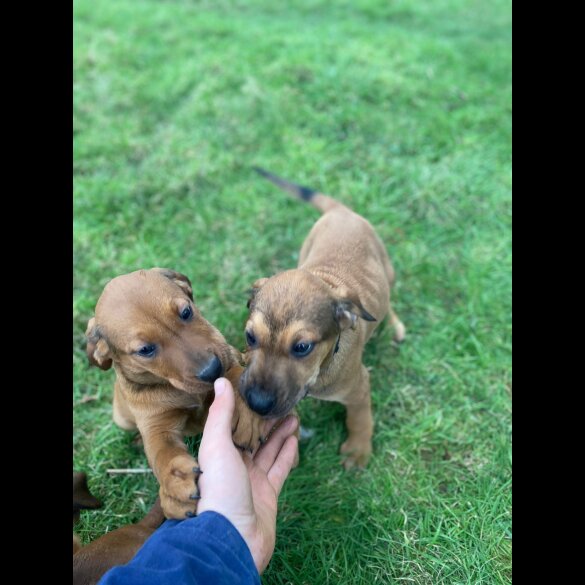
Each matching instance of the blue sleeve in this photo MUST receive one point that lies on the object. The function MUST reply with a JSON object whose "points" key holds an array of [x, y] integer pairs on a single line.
{"points": [[202, 550]]}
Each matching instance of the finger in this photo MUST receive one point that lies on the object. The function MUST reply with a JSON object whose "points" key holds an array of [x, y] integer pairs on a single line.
{"points": [[283, 464], [218, 427], [267, 454]]}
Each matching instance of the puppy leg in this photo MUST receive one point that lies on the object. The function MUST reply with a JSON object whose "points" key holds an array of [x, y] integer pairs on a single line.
{"points": [[360, 424], [176, 470], [76, 543], [247, 427], [121, 413], [399, 328]]}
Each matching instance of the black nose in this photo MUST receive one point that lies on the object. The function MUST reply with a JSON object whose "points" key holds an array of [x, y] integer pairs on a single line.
{"points": [[259, 400], [211, 371]]}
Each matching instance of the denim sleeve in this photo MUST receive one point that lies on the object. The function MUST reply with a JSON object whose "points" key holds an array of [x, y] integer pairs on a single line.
{"points": [[203, 550]]}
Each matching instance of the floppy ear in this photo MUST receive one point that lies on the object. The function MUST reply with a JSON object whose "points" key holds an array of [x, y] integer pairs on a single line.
{"points": [[179, 279], [255, 288], [347, 312], [97, 349]]}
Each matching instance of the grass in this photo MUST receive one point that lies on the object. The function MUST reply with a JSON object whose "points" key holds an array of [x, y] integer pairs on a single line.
{"points": [[401, 109]]}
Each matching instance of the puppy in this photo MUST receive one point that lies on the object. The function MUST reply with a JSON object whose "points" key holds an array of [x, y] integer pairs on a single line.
{"points": [[166, 357], [114, 548], [83, 499], [307, 327]]}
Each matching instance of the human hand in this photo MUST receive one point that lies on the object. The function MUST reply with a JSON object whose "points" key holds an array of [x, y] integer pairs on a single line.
{"points": [[243, 488]]}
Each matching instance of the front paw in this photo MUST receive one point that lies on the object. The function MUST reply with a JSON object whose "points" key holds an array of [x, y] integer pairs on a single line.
{"points": [[247, 427], [247, 432], [179, 493], [357, 453]]}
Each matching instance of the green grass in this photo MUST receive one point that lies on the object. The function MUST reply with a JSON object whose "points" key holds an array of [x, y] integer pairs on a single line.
{"points": [[401, 109]]}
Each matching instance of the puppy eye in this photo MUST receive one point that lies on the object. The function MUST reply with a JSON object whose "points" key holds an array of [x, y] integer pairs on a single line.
{"points": [[302, 349], [186, 313], [250, 339], [147, 350]]}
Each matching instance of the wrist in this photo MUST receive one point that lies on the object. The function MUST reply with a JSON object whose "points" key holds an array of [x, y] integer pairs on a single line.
{"points": [[260, 544], [227, 532]]}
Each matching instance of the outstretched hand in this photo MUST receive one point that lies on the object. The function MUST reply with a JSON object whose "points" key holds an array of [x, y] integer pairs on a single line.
{"points": [[244, 489]]}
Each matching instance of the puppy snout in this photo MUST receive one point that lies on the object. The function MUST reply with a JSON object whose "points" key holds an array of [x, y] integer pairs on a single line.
{"points": [[211, 371], [260, 400]]}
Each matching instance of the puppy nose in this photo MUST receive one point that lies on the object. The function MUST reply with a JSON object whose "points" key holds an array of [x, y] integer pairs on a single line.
{"points": [[259, 400], [211, 371]]}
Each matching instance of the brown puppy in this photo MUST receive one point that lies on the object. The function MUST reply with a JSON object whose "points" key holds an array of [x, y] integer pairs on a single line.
{"points": [[114, 548], [83, 499], [307, 327], [166, 357]]}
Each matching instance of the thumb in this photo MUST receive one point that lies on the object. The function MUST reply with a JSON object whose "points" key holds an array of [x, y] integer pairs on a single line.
{"points": [[218, 427]]}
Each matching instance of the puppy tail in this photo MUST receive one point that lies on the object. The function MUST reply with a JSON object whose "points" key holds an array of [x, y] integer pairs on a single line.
{"points": [[318, 200], [155, 516]]}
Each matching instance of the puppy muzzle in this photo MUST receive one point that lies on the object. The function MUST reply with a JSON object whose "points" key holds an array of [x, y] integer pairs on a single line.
{"points": [[211, 371], [260, 400]]}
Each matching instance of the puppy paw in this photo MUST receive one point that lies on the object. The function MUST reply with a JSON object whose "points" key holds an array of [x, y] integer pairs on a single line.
{"points": [[357, 454], [247, 429], [76, 543], [179, 493], [247, 434], [399, 332]]}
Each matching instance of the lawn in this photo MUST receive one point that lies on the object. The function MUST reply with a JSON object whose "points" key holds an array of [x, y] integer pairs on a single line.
{"points": [[402, 109]]}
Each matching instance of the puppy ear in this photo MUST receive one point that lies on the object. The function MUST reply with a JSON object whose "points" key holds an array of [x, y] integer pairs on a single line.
{"points": [[255, 288], [179, 279], [97, 349], [83, 499], [347, 312]]}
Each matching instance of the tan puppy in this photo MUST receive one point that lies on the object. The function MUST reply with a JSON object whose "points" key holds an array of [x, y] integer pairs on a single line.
{"points": [[118, 547], [307, 327], [166, 357]]}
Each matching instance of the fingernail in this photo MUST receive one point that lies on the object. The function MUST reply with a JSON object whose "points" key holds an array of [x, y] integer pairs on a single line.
{"points": [[219, 386]]}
